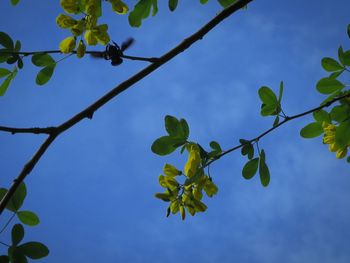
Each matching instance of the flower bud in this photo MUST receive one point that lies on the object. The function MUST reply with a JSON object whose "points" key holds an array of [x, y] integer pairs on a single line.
{"points": [[81, 49]]}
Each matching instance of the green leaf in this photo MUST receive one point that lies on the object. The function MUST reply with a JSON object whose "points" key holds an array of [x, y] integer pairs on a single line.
{"points": [[12, 59], [341, 55], [346, 58], [340, 113], [166, 145], [280, 93], [203, 1], [17, 234], [331, 65], [264, 170], [336, 74], [348, 30], [4, 86], [44, 75], [267, 110], [267, 96], [248, 149], [215, 146], [6, 41], [4, 72], [342, 134], [185, 129], [14, 2], [276, 121], [141, 11], [329, 85], [172, 4], [34, 250], [17, 199], [226, 3], [172, 125], [17, 46], [16, 256], [321, 116], [42, 60], [20, 63], [175, 128], [155, 7], [311, 130], [250, 168], [348, 159], [4, 259], [3, 55], [28, 218]]}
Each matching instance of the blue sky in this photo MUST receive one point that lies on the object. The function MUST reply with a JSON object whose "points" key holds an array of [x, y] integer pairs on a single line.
{"points": [[94, 188]]}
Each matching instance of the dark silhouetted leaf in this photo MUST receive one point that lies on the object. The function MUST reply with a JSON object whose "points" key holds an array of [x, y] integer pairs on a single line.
{"points": [[6, 41], [172, 4], [34, 250], [17, 234]]}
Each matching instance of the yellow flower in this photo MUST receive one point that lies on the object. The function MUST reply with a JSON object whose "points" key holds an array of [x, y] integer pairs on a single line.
{"points": [[65, 21], [341, 153], [193, 161], [333, 147], [170, 170], [67, 45], [210, 188], [329, 139]]}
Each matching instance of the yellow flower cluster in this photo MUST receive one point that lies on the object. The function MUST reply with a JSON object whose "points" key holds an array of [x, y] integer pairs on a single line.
{"points": [[94, 33], [186, 196], [329, 138]]}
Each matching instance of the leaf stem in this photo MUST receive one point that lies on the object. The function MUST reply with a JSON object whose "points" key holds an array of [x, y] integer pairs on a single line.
{"points": [[7, 223]]}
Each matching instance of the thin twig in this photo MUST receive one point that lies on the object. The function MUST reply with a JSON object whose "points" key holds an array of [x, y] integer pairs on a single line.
{"points": [[287, 119], [30, 53], [2, 243], [89, 111], [7, 223]]}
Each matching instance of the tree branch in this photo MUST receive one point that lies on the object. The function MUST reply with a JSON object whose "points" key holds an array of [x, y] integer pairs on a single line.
{"points": [[25, 53], [89, 111], [35, 130], [287, 119]]}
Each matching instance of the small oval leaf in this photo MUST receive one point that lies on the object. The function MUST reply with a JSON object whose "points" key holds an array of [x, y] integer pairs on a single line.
{"points": [[331, 65], [34, 250], [311, 130], [17, 234], [250, 168], [42, 60], [6, 41], [329, 85], [28, 218], [44, 75], [267, 96]]}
